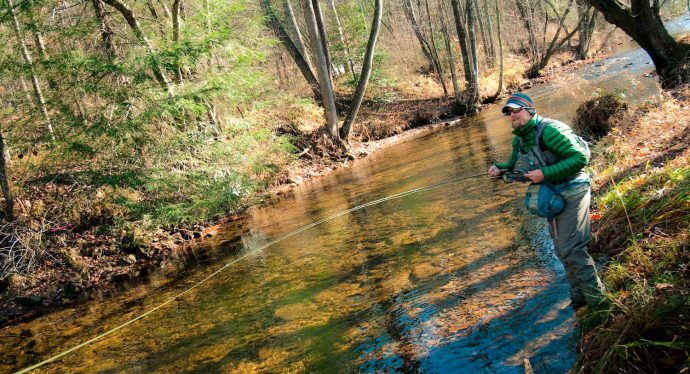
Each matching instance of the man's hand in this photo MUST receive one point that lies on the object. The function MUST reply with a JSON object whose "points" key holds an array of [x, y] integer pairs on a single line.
{"points": [[494, 171], [536, 176]]}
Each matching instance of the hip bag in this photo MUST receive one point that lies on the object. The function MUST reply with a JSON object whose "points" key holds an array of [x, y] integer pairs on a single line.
{"points": [[544, 200]]}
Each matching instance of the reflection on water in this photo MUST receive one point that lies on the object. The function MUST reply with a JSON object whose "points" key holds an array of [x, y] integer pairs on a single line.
{"points": [[438, 281], [412, 284]]}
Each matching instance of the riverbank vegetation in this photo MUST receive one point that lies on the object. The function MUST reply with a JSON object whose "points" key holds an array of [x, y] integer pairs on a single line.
{"points": [[641, 231]]}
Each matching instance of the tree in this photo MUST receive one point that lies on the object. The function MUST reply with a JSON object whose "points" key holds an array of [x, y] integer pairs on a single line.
{"points": [[555, 44], [343, 41], [322, 67], [295, 51], [133, 23], [366, 71], [499, 90], [4, 182], [449, 51], [642, 22], [428, 50], [586, 28], [106, 30], [30, 65], [469, 56]]}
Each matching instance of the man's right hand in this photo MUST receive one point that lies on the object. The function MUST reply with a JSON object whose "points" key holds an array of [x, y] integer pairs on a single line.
{"points": [[494, 171]]}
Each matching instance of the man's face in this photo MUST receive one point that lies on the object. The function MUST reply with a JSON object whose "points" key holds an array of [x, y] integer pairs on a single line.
{"points": [[519, 117]]}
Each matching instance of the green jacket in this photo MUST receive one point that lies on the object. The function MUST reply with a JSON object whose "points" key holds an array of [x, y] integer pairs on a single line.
{"points": [[557, 138]]}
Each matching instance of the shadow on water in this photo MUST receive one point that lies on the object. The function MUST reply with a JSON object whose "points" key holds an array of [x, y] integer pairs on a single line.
{"points": [[385, 288]]}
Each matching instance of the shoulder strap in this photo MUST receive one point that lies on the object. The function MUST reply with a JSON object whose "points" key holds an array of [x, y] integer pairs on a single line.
{"points": [[539, 130]]}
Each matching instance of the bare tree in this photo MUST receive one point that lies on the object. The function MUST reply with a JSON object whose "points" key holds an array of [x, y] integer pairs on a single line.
{"points": [[321, 26], [471, 82], [366, 71], [556, 43], [428, 50], [105, 29], [298, 57], [499, 90], [4, 181], [30, 64], [449, 51], [474, 85], [294, 28], [133, 23], [322, 68], [526, 10], [176, 37], [434, 52], [343, 40], [586, 27], [642, 22]]}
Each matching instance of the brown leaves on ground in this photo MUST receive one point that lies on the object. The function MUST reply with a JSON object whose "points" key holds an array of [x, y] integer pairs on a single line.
{"points": [[641, 185]]}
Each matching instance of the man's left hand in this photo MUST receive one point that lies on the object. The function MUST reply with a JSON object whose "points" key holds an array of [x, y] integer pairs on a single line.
{"points": [[536, 176]]}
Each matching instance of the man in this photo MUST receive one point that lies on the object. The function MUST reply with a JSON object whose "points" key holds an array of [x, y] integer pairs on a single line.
{"points": [[557, 158]]}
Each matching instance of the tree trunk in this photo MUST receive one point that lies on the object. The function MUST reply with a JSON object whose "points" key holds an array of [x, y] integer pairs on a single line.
{"points": [[366, 71], [297, 35], [499, 91], [27, 91], [38, 35], [166, 10], [437, 60], [462, 38], [4, 182], [449, 51], [346, 45], [490, 29], [321, 25], [585, 28], [139, 33], [30, 64], [642, 22], [176, 38], [106, 31], [524, 8], [322, 71], [154, 14], [555, 44], [299, 59], [474, 87], [412, 17], [488, 57]]}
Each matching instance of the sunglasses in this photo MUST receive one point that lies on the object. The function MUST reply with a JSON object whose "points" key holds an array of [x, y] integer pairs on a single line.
{"points": [[510, 111]]}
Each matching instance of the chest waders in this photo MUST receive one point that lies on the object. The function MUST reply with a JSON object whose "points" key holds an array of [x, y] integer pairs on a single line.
{"points": [[570, 229]]}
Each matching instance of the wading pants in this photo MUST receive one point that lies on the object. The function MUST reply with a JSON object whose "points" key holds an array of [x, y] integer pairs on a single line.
{"points": [[570, 233]]}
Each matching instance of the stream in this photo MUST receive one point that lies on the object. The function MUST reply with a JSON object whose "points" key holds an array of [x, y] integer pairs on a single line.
{"points": [[452, 279]]}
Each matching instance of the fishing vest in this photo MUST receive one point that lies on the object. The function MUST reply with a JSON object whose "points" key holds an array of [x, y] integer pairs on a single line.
{"points": [[536, 157], [545, 199]]}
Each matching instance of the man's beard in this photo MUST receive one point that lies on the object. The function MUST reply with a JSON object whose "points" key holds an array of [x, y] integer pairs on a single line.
{"points": [[516, 124]]}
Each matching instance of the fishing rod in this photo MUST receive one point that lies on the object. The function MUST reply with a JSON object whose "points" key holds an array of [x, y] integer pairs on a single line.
{"points": [[247, 254]]}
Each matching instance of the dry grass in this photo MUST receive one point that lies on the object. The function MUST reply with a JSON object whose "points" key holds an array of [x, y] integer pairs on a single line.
{"points": [[642, 194], [592, 117]]}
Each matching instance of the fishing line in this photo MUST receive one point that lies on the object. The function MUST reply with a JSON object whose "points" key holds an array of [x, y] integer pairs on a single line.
{"points": [[247, 254]]}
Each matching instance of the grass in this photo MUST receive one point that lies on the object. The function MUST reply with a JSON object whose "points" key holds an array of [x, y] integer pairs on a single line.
{"points": [[642, 196]]}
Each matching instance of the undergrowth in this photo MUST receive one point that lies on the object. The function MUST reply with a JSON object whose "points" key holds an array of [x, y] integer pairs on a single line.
{"points": [[642, 224]]}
